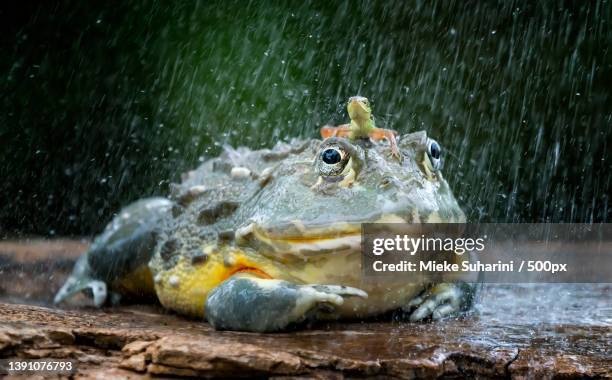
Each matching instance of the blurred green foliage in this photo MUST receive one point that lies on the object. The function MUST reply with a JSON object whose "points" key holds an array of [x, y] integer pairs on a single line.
{"points": [[103, 103]]}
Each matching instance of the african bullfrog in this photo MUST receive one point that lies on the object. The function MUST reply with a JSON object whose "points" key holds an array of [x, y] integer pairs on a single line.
{"points": [[261, 240]]}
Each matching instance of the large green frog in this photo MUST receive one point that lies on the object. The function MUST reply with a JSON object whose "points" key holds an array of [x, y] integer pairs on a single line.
{"points": [[263, 240]]}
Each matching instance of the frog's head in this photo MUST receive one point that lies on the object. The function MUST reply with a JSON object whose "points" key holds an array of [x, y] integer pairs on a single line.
{"points": [[317, 200], [358, 108]]}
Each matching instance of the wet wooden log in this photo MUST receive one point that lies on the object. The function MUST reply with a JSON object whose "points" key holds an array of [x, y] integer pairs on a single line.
{"points": [[142, 340]]}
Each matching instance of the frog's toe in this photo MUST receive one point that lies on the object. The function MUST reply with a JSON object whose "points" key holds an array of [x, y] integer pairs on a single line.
{"points": [[441, 301], [96, 289], [99, 292], [340, 290], [436, 307], [325, 298], [310, 295]]}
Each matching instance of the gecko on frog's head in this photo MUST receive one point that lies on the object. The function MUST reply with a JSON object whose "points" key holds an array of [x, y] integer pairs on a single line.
{"points": [[359, 109]]}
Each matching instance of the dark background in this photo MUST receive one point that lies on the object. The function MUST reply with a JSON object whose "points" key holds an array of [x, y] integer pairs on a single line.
{"points": [[104, 103]]}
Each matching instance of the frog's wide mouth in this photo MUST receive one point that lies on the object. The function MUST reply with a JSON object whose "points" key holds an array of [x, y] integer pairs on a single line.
{"points": [[307, 239], [296, 238]]}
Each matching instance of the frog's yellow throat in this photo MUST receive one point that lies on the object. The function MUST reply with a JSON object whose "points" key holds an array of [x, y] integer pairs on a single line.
{"points": [[185, 287]]}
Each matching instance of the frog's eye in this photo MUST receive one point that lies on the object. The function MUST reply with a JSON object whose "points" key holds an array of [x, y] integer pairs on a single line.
{"points": [[331, 156], [331, 161], [434, 153]]}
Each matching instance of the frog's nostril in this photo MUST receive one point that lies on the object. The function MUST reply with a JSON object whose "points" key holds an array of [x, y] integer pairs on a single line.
{"points": [[387, 182]]}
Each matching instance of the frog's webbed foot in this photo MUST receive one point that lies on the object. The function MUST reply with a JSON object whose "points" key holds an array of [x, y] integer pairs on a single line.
{"points": [[95, 289], [250, 303], [441, 301], [81, 281]]}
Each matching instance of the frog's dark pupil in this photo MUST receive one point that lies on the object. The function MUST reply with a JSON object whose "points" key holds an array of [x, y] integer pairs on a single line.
{"points": [[331, 156], [434, 151]]}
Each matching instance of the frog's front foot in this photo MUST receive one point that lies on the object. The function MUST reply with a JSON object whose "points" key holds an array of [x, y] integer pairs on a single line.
{"points": [[248, 303], [441, 301], [95, 289]]}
